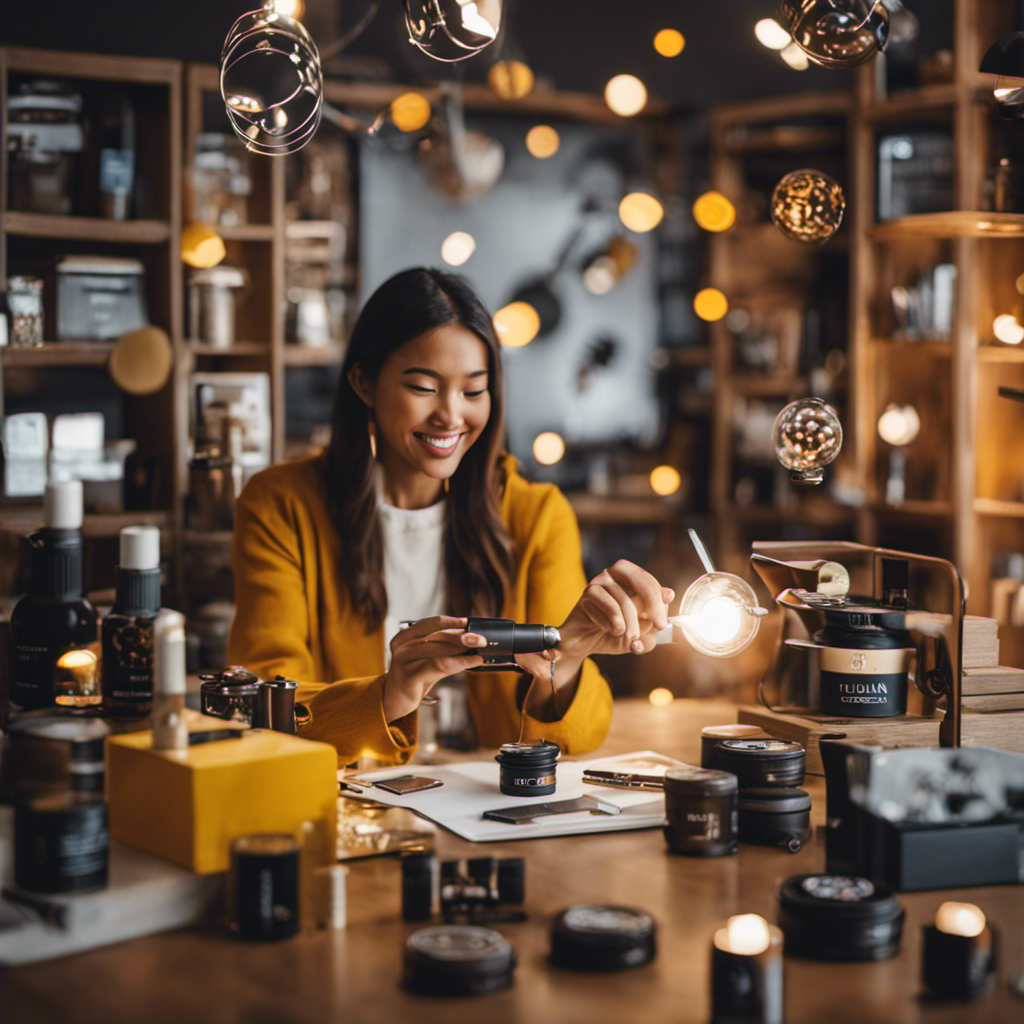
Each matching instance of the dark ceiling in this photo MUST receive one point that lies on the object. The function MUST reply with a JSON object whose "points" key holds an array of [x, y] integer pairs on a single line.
{"points": [[573, 44]]}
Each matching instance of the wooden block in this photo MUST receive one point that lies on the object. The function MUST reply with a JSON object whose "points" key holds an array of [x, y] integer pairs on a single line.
{"points": [[981, 642], [993, 702], [996, 679]]}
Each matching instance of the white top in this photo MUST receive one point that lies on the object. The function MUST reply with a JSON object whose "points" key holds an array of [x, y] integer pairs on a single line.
{"points": [[140, 547], [62, 505], [413, 565]]}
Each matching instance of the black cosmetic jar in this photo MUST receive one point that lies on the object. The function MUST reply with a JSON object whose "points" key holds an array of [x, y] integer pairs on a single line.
{"points": [[700, 811], [457, 960], [712, 735], [528, 769], [586, 937], [762, 762], [839, 917], [231, 694], [264, 887], [775, 816], [47, 753]]}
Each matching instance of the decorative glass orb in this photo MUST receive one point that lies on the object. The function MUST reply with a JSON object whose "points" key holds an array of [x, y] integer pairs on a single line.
{"points": [[808, 206], [807, 436], [837, 33], [719, 614], [452, 30]]}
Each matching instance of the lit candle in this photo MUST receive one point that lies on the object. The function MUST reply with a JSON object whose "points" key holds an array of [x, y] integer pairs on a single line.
{"points": [[746, 972], [76, 678], [958, 952]]}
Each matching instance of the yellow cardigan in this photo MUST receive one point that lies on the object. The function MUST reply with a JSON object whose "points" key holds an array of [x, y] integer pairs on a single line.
{"points": [[294, 617]]}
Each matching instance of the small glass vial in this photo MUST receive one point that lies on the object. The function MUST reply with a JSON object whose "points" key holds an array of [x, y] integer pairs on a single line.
{"points": [[25, 301], [701, 809]]}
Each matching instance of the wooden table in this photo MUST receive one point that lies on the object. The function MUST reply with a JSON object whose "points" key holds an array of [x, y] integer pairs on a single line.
{"points": [[200, 974]]}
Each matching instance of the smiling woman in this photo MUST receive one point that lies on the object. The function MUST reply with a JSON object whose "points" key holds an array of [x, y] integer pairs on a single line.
{"points": [[415, 512]]}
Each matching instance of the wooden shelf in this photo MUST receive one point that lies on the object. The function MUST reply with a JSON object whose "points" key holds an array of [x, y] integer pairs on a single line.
{"points": [[932, 509], [911, 102], [599, 510], [951, 224], [239, 348], [325, 229], [24, 519], [812, 513], [303, 355], [768, 387], [207, 538], [55, 354], [86, 229], [1002, 509], [695, 356], [245, 232], [786, 139], [998, 353], [935, 346]]}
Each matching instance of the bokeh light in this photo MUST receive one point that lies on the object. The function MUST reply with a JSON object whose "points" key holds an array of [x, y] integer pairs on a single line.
{"points": [[899, 424], [548, 448], [640, 212], [410, 112], [710, 304], [457, 248], [625, 95], [510, 79], [669, 42], [201, 246], [660, 697], [1007, 329], [542, 141], [771, 34], [517, 324], [665, 480], [292, 8], [808, 206], [714, 212]]}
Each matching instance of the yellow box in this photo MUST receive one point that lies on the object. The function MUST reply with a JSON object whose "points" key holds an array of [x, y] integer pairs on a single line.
{"points": [[188, 806]]}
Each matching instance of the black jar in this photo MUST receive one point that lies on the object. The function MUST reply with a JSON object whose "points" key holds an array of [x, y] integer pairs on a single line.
{"points": [[585, 937], [762, 762], [231, 694], [839, 917], [60, 842], [457, 960], [528, 769], [51, 753], [275, 704], [865, 662], [712, 735], [700, 811], [264, 886], [775, 816], [419, 885]]}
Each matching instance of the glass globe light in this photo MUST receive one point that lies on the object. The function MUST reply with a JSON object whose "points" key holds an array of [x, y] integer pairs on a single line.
{"points": [[807, 436], [1005, 59], [452, 30], [808, 206], [837, 33], [719, 614]]}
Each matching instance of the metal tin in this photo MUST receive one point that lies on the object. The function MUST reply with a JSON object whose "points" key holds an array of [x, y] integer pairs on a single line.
{"points": [[839, 917], [588, 937], [775, 816], [762, 762], [276, 704], [264, 903], [457, 960], [60, 843], [712, 735], [50, 753], [231, 694], [528, 769], [700, 811]]}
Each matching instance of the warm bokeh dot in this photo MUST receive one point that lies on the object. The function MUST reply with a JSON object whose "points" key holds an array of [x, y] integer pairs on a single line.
{"points": [[410, 112], [517, 324], [669, 42], [640, 212], [542, 141], [625, 95], [548, 448], [714, 212], [660, 697], [510, 79], [710, 304], [665, 480]]}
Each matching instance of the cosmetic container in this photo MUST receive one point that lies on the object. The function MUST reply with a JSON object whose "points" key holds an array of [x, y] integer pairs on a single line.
{"points": [[712, 735], [457, 960], [528, 769], [958, 953], [170, 730], [775, 817], [588, 937], [419, 885], [839, 917], [231, 694], [747, 972], [264, 887], [48, 754], [700, 811], [762, 762], [275, 704], [512, 880]]}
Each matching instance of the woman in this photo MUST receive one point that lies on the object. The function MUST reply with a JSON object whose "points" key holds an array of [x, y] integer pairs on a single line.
{"points": [[414, 511]]}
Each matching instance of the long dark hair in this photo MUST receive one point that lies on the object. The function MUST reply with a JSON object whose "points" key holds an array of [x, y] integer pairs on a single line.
{"points": [[479, 559]]}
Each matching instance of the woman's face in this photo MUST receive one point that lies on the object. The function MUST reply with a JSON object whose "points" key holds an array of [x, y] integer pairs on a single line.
{"points": [[430, 402]]}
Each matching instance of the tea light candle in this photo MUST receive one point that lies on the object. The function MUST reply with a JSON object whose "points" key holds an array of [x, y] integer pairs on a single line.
{"points": [[746, 972], [959, 952]]}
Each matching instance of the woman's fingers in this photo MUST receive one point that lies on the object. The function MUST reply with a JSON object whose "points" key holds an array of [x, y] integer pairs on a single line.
{"points": [[424, 628], [627, 607], [602, 609], [647, 592]]}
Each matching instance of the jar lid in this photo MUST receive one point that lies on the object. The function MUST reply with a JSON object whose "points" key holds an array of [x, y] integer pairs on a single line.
{"points": [[280, 683], [732, 732], [589, 937], [457, 959], [232, 675], [780, 800], [84, 736], [690, 779], [761, 748], [525, 755], [838, 897]]}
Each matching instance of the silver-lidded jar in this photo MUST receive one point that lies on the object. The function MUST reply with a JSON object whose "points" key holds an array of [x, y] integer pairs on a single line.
{"points": [[231, 694]]}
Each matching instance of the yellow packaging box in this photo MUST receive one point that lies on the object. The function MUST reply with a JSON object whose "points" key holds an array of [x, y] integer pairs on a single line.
{"points": [[188, 806]]}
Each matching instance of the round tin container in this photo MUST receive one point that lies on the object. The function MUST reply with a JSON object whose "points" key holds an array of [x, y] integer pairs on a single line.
{"points": [[264, 902], [457, 960], [528, 769], [586, 937], [60, 843], [51, 753], [762, 762], [700, 811], [231, 694], [839, 917], [712, 735], [775, 816]]}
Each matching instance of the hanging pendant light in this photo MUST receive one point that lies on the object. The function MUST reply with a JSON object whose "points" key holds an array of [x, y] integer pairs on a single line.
{"points": [[1005, 59], [452, 30], [837, 33]]}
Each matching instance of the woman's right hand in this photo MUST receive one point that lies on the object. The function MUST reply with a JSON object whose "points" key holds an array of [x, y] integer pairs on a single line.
{"points": [[422, 654]]}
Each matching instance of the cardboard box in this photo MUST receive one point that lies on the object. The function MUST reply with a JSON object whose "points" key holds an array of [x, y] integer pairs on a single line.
{"points": [[188, 806]]}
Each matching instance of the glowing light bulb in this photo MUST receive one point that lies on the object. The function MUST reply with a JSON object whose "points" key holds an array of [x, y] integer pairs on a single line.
{"points": [[808, 206], [714, 212], [807, 436], [517, 324], [542, 141], [660, 697], [640, 212], [746, 934], [837, 34], [548, 448], [771, 34], [510, 79], [457, 248], [960, 919], [1007, 329], [201, 246], [669, 42], [625, 95], [710, 304], [899, 424], [410, 112], [719, 620], [601, 276], [665, 480], [292, 8]]}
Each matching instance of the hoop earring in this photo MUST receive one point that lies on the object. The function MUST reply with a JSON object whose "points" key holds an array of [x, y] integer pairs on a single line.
{"points": [[371, 430]]}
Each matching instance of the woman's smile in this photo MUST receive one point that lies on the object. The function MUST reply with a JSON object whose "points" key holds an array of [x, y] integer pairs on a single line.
{"points": [[439, 446]]}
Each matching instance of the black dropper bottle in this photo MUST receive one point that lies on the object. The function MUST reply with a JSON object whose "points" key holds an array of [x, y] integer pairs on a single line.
{"points": [[128, 629], [54, 618]]}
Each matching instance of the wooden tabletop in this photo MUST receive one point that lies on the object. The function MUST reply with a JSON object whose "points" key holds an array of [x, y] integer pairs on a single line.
{"points": [[351, 977]]}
